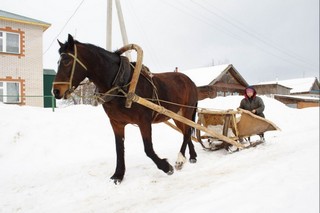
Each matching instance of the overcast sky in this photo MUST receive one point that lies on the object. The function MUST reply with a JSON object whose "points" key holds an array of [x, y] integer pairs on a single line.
{"points": [[264, 40]]}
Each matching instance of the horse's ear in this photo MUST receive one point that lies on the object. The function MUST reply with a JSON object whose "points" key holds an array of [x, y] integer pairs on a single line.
{"points": [[59, 43], [70, 40]]}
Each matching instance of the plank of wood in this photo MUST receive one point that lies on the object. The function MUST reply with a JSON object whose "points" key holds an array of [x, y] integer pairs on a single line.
{"points": [[169, 113]]}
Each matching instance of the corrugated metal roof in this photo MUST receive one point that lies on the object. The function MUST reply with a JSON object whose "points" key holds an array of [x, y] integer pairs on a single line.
{"points": [[4, 15]]}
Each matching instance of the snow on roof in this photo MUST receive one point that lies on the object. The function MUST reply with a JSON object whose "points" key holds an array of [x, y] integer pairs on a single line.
{"points": [[205, 75], [297, 84]]}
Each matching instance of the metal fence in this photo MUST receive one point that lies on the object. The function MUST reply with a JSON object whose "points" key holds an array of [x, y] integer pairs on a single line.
{"points": [[49, 101], [18, 99]]}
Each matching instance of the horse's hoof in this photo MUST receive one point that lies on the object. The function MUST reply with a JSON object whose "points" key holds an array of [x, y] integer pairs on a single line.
{"points": [[180, 161], [171, 170], [193, 160], [117, 181], [178, 165]]}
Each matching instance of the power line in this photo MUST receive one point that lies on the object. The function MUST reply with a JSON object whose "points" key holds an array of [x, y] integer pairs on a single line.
{"points": [[64, 26], [241, 27], [230, 33], [154, 54], [203, 20]]}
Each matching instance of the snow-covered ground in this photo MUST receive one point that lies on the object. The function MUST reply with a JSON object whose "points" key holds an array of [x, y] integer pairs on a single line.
{"points": [[61, 162]]}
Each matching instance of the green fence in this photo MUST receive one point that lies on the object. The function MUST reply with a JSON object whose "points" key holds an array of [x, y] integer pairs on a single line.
{"points": [[48, 100]]}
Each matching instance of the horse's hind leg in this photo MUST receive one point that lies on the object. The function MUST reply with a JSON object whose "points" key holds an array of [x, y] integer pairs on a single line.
{"points": [[186, 131], [192, 152], [162, 164]]}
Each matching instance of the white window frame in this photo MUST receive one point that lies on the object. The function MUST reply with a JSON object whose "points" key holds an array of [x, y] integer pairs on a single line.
{"points": [[220, 93], [3, 40], [235, 93], [5, 97]]}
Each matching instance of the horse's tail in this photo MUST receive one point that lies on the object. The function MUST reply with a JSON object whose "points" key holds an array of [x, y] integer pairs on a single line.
{"points": [[194, 117]]}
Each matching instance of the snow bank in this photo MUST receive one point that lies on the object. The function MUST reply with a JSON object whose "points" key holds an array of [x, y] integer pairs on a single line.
{"points": [[61, 162]]}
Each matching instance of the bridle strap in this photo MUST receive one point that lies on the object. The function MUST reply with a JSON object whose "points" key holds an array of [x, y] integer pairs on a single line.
{"points": [[75, 57], [75, 60]]}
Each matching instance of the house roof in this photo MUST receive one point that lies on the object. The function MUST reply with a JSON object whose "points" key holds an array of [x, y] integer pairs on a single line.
{"points": [[209, 75], [303, 98], [7, 16], [273, 83], [49, 72], [298, 85]]}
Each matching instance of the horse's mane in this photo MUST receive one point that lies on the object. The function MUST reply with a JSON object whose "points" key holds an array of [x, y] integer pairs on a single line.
{"points": [[95, 50], [99, 51]]}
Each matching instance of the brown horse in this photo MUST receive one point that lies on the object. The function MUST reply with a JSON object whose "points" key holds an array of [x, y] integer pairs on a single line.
{"points": [[112, 73]]}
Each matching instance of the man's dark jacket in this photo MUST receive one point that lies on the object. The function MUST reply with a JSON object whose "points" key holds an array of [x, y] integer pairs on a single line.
{"points": [[252, 103]]}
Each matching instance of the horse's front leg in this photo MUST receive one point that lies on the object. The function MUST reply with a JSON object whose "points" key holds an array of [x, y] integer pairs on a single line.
{"points": [[162, 164], [118, 130]]}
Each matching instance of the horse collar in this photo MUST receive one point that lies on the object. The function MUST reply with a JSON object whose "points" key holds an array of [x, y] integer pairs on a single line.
{"points": [[119, 83]]}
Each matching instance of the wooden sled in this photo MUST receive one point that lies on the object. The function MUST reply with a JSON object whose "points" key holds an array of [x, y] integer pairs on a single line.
{"points": [[237, 124]]}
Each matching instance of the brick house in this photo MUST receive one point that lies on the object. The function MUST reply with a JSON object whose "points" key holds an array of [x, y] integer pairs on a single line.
{"points": [[21, 62]]}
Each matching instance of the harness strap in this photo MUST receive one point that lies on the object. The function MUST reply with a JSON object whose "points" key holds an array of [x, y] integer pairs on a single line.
{"points": [[118, 84], [75, 57], [75, 60]]}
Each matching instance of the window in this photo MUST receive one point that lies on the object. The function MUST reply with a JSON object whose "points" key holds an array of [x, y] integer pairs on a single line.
{"points": [[1, 41], [1, 91], [220, 93], [228, 93], [9, 42], [10, 92]]}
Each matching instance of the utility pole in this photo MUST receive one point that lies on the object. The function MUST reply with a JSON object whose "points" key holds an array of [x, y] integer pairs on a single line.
{"points": [[109, 25], [121, 23]]}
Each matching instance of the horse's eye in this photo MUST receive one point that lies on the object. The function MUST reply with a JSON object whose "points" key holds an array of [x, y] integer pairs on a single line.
{"points": [[66, 61]]}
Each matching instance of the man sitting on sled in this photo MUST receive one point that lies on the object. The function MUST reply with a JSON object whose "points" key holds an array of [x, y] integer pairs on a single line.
{"points": [[254, 104]]}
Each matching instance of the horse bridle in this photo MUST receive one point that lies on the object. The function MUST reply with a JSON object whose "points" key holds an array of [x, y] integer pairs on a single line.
{"points": [[75, 60]]}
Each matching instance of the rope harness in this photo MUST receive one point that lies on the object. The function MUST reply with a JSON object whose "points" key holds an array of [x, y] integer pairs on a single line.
{"points": [[75, 60]]}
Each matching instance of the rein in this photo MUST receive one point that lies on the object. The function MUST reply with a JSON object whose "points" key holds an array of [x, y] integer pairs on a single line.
{"points": [[75, 60], [113, 92], [100, 96]]}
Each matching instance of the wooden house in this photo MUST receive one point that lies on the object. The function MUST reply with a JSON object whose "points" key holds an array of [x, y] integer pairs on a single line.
{"points": [[220, 80], [274, 88], [298, 86], [298, 102], [297, 93], [21, 62]]}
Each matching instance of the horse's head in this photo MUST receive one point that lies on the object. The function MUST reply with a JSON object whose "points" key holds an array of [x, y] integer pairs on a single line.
{"points": [[71, 70]]}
